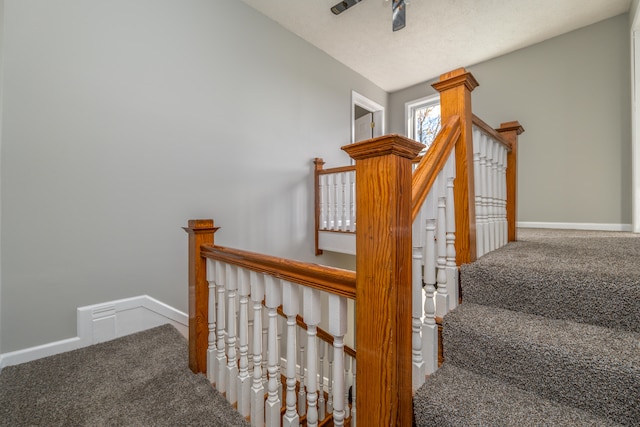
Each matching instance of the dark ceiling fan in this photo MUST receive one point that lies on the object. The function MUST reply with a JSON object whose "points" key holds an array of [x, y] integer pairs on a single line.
{"points": [[398, 8]]}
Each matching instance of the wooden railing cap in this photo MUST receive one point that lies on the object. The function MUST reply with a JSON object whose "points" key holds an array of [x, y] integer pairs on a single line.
{"points": [[511, 126], [384, 145], [200, 226], [455, 78]]}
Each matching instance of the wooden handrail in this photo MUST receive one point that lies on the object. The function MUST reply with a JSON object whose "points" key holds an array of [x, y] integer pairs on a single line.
{"points": [[328, 279], [432, 163], [322, 334], [337, 170], [491, 132]]}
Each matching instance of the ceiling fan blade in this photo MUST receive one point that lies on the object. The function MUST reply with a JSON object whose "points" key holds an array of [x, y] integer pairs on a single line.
{"points": [[399, 14], [343, 5]]}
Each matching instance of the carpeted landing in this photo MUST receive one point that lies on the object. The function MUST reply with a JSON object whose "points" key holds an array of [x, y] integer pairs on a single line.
{"points": [[548, 335], [137, 380]]}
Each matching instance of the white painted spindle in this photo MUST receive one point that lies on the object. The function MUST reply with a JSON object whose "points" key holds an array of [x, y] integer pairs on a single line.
{"points": [[257, 387], [221, 357], [302, 392], [232, 361], [290, 306], [273, 298], [211, 315], [417, 364], [312, 313], [322, 412], [244, 378], [442, 295], [337, 328], [353, 395], [452, 267], [330, 385], [429, 327]]}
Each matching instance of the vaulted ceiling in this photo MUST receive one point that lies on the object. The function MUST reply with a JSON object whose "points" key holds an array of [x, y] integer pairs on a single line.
{"points": [[440, 35]]}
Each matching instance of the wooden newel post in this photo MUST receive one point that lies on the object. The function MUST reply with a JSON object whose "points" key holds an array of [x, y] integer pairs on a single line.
{"points": [[510, 132], [200, 233], [383, 279], [319, 165], [455, 89]]}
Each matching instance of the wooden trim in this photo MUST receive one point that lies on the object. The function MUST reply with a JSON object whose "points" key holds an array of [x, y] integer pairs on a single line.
{"points": [[318, 163], [322, 334], [493, 133], [200, 232], [510, 132], [432, 163], [328, 279], [383, 263], [455, 99]]}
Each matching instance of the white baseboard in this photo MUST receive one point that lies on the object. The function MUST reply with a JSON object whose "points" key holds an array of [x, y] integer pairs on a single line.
{"points": [[576, 226], [103, 322]]}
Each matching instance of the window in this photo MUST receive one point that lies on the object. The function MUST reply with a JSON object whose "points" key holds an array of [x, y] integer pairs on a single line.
{"points": [[423, 119]]}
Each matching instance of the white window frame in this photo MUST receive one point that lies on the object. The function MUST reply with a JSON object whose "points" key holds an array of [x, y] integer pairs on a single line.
{"points": [[411, 106]]}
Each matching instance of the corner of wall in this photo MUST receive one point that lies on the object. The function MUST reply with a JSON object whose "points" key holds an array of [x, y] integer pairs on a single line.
{"points": [[103, 322]]}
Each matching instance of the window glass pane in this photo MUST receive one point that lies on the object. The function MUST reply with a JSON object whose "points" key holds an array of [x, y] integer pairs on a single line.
{"points": [[426, 120]]}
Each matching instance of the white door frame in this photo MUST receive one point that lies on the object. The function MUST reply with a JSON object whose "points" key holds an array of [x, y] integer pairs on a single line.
{"points": [[367, 104]]}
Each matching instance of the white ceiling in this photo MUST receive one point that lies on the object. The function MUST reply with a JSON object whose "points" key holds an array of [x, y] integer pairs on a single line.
{"points": [[440, 35]]}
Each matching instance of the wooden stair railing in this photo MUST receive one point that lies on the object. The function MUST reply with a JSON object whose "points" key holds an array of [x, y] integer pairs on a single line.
{"points": [[227, 286], [388, 196]]}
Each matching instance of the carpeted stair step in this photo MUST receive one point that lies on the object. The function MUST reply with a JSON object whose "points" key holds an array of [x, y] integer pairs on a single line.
{"points": [[593, 279], [457, 397], [585, 366]]}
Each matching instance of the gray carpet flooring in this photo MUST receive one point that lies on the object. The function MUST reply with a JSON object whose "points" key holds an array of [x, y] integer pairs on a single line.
{"points": [[548, 334], [137, 380]]}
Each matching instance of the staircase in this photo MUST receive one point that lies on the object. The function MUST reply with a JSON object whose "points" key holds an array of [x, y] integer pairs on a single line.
{"points": [[548, 334]]}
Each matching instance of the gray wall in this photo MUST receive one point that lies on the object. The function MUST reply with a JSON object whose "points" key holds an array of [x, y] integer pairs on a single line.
{"points": [[122, 120], [572, 95]]}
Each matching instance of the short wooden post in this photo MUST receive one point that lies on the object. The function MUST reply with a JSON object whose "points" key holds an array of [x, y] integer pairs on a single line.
{"points": [[455, 89], [319, 165], [200, 233], [383, 280], [510, 132]]}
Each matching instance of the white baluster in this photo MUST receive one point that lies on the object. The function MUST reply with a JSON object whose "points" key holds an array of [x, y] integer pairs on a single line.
{"points": [[281, 325], [452, 268], [352, 201], [494, 193], [257, 387], [302, 393], [290, 306], [211, 319], [322, 182], [480, 219], [417, 365], [345, 202], [353, 396], [312, 315], [221, 357], [484, 191], [244, 379], [265, 342], [337, 328], [322, 412], [347, 385], [232, 362], [330, 385], [429, 327], [336, 203], [503, 193], [442, 296], [273, 298]]}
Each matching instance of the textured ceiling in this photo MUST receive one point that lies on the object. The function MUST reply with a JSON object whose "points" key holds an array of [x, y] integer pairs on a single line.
{"points": [[440, 34]]}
